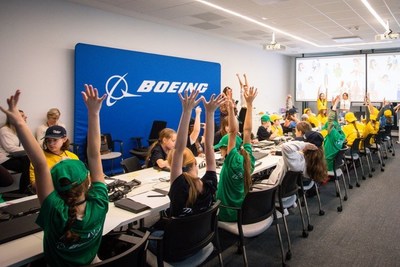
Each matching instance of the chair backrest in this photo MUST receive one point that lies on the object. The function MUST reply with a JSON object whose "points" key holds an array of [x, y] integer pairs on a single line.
{"points": [[134, 256], [156, 128], [185, 236], [339, 160], [289, 184], [367, 140], [131, 164], [106, 143], [355, 147], [258, 205]]}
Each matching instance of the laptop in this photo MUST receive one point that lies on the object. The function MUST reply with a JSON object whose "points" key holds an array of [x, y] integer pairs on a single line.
{"points": [[22, 208], [259, 155], [18, 227]]}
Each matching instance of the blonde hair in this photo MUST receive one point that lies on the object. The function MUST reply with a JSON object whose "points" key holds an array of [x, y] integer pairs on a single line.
{"points": [[164, 133], [246, 170], [188, 162], [52, 112]]}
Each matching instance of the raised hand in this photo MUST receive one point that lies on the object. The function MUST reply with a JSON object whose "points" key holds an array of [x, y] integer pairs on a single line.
{"points": [[188, 99], [12, 112], [214, 102], [91, 98], [250, 95]]}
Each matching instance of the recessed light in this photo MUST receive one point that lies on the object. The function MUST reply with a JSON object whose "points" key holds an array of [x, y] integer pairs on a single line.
{"points": [[345, 40]]}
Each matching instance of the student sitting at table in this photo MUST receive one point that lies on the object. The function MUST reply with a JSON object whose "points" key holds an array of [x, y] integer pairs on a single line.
{"points": [[301, 129], [264, 132], [235, 177], [312, 119], [334, 136], [223, 130], [158, 151], [353, 128], [74, 201], [276, 127], [188, 193], [55, 148], [194, 140]]}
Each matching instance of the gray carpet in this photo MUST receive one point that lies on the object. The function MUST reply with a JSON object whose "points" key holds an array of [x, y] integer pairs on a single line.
{"points": [[365, 233]]}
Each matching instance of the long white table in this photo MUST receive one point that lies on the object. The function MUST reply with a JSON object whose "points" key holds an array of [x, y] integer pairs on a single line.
{"points": [[26, 249]]}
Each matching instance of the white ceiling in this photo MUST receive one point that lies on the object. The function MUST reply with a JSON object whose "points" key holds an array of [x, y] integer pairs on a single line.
{"points": [[317, 21]]}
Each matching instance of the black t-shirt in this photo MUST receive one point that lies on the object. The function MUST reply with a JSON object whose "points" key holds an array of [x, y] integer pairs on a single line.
{"points": [[195, 146], [156, 153], [263, 134], [179, 193]]}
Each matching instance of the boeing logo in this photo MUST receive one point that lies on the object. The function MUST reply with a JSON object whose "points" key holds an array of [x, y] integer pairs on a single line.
{"points": [[147, 86]]}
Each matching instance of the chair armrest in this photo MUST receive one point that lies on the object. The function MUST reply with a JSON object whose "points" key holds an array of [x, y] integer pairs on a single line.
{"points": [[121, 143], [230, 207]]}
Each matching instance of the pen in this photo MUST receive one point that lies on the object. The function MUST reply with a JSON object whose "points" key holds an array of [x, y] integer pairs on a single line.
{"points": [[156, 195]]}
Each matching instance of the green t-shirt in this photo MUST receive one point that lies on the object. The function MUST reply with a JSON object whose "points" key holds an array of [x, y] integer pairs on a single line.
{"points": [[332, 144], [231, 184], [53, 217]]}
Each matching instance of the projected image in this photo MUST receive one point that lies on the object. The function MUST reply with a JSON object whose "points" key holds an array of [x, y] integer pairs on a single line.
{"points": [[383, 79], [331, 75]]}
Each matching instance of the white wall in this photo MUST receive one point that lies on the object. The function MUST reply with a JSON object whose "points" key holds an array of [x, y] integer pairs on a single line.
{"points": [[37, 40]]}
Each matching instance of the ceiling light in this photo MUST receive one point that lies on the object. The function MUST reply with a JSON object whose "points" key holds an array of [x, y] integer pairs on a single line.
{"points": [[375, 14], [346, 40], [231, 12]]}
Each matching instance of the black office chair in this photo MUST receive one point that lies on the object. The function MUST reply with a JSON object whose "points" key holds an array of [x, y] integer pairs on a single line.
{"points": [[254, 217], [374, 143], [133, 256], [187, 238], [338, 173], [354, 155], [141, 151], [388, 139], [108, 144], [307, 184], [131, 164], [289, 190]]}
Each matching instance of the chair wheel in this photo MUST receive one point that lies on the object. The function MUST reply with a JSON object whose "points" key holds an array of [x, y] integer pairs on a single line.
{"points": [[350, 186], [373, 169], [305, 234], [393, 154], [239, 250], [383, 164], [339, 209], [337, 194], [370, 175], [385, 157], [288, 255], [363, 177], [357, 184], [345, 198], [321, 213], [382, 169], [310, 227]]}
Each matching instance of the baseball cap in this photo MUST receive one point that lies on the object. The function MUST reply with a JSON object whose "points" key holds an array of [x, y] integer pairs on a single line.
{"points": [[306, 110], [292, 111], [275, 117], [71, 169], [387, 113], [314, 137], [56, 132], [350, 117], [224, 142], [265, 118]]}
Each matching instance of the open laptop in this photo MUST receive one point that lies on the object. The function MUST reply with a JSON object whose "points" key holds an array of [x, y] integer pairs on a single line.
{"points": [[22, 208], [18, 227]]}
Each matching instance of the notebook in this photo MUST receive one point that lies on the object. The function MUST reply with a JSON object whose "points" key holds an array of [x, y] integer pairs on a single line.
{"points": [[22, 208], [18, 227], [130, 205]]}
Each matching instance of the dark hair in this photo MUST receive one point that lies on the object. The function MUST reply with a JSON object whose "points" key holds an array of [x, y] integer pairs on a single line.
{"points": [[64, 147], [316, 166], [226, 89], [70, 198]]}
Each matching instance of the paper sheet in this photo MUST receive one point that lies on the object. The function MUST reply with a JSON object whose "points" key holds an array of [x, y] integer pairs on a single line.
{"points": [[152, 202]]}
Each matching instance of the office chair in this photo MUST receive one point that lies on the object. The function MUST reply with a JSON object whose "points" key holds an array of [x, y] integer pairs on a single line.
{"points": [[304, 187], [374, 143], [141, 151], [254, 217], [388, 139], [134, 256], [131, 164], [354, 155], [187, 241], [338, 173], [108, 144], [288, 194]]}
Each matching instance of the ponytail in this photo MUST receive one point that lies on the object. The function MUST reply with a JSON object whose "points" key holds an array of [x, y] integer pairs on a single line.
{"points": [[246, 170]]}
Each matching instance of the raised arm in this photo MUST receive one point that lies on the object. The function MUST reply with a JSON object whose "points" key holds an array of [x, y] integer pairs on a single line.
{"points": [[188, 103], [249, 95], [93, 104], [44, 182], [196, 127], [233, 125], [211, 106]]}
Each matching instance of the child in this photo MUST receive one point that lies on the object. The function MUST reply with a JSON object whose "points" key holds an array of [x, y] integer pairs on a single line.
{"points": [[276, 127], [235, 177], [158, 151], [71, 215], [55, 146], [264, 132], [190, 194]]}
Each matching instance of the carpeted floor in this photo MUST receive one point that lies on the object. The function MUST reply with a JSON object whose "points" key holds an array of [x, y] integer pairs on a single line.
{"points": [[365, 233]]}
